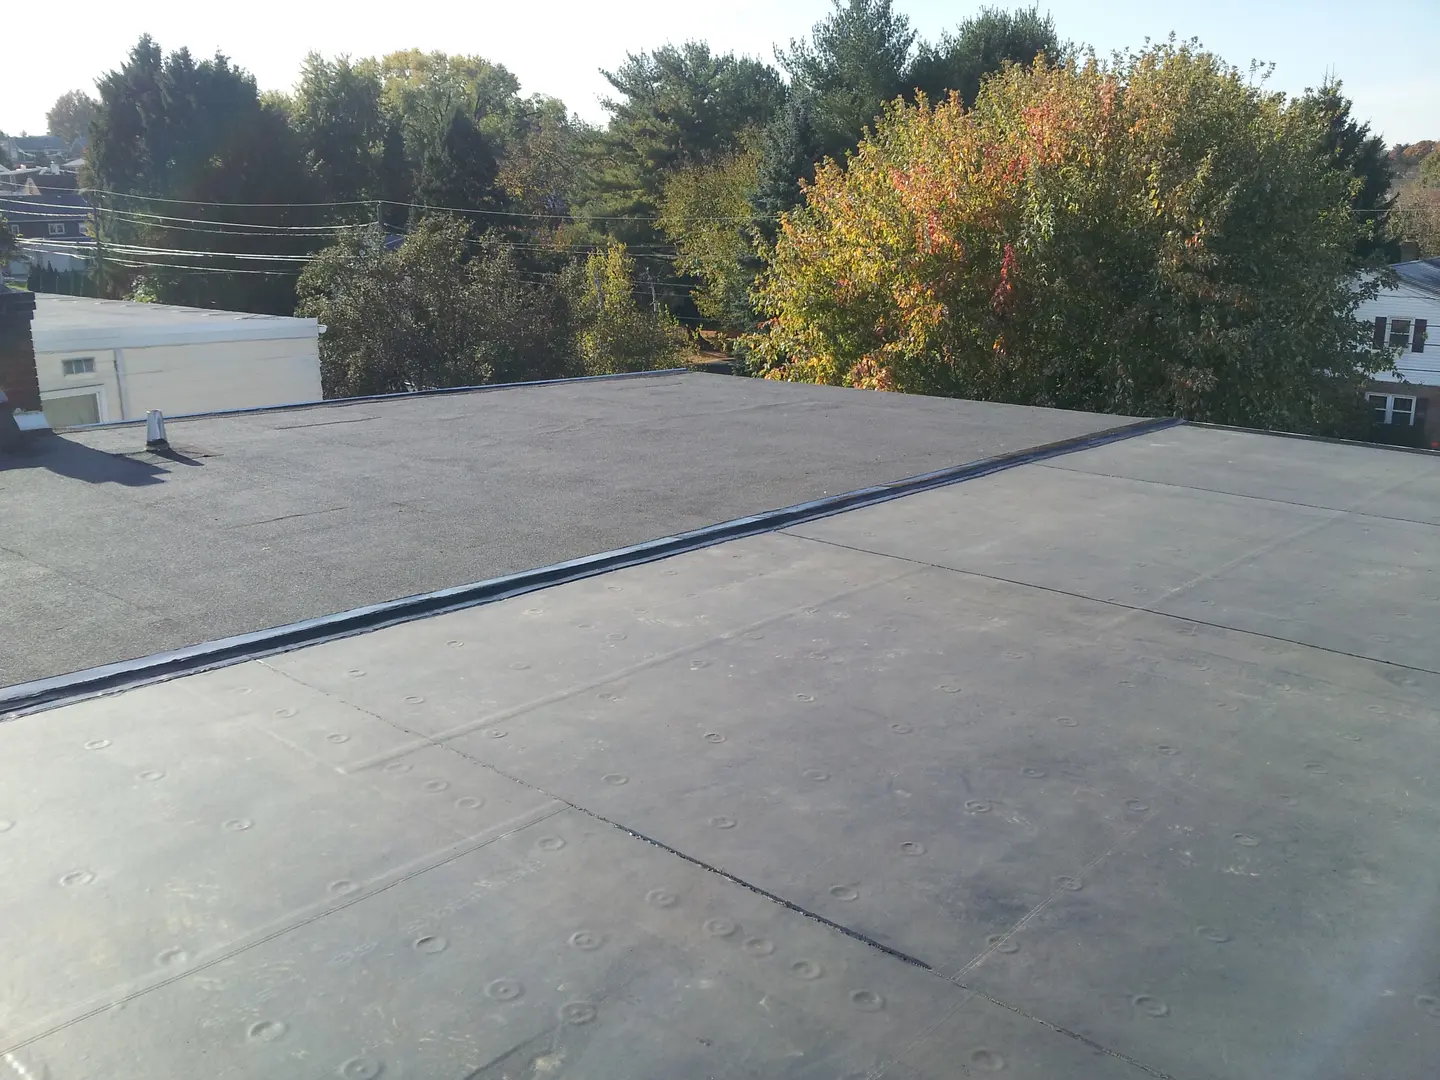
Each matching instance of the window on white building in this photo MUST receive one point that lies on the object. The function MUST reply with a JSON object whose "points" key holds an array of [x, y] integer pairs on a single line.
{"points": [[1392, 408], [79, 365], [1407, 335]]}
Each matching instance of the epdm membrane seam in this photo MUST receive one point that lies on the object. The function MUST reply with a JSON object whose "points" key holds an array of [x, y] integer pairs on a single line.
{"points": [[1241, 495], [798, 909], [385, 883], [1132, 610], [440, 738], [443, 740]]}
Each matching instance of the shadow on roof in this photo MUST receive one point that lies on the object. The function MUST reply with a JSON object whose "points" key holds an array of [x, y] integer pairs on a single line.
{"points": [[80, 462]]}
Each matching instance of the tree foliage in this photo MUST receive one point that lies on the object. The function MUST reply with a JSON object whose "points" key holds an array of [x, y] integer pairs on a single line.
{"points": [[337, 114], [706, 214], [681, 105], [855, 61], [197, 133], [439, 310], [616, 333], [1155, 236], [461, 169], [1361, 158], [446, 309], [70, 116], [1417, 210], [982, 44]]}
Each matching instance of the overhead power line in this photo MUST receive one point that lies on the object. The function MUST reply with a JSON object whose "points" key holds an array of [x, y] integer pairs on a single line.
{"points": [[411, 206]]}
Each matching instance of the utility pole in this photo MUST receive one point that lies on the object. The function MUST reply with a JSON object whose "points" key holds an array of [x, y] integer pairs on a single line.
{"points": [[99, 248]]}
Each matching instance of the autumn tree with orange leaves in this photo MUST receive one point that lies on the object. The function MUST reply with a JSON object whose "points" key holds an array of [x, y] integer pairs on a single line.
{"points": [[1153, 236]]}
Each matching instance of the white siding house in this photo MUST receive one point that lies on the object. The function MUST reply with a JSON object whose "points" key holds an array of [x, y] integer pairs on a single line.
{"points": [[105, 360], [1406, 321]]}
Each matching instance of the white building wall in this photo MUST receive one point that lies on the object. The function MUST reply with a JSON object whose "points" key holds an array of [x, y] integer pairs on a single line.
{"points": [[221, 375], [101, 383], [186, 378], [1407, 302]]}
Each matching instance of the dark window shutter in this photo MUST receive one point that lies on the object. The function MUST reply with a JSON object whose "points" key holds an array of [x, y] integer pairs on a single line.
{"points": [[1379, 341], [1420, 404], [1419, 343]]}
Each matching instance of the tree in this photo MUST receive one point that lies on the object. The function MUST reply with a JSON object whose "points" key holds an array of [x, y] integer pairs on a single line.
{"points": [[1153, 237], [790, 148], [197, 137], [706, 214], [1417, 217], [1361, 158], [677, 105], [543, 168], [7, 244], [683, 104], [425, 90], [461, 169], [982, 44], [69, 118], [854, 62], [616, 334], [441, 310], [337, 115]]}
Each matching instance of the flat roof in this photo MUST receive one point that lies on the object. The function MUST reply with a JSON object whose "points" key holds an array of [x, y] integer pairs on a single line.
{"points": [[1115, 766], [266, 518], [76, 323]]}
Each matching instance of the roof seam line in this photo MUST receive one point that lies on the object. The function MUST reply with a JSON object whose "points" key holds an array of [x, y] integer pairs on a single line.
{"points": [[1117, 604], [1242, 495], [110, 678], [1059, 1030]]}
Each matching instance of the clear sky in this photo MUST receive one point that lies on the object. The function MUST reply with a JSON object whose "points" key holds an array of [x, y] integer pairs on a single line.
{"points": [[1387, 53]]}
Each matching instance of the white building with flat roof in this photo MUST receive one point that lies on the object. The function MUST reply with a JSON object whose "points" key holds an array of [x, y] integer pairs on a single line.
{"points": [[105, 360]]}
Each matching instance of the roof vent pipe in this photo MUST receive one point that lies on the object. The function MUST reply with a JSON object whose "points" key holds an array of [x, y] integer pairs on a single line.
{"points": [[155, 431]]}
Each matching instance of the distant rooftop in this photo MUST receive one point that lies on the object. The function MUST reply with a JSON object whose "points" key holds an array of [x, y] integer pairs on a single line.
{"points": [[70, 323], [1422, 273]]}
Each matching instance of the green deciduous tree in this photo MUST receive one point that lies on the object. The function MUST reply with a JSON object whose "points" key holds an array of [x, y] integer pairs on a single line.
{"points": [[441, 310], [706, 214], [70, 116], [616, 333], [1155, 236], [426, 89], [337, 115]]}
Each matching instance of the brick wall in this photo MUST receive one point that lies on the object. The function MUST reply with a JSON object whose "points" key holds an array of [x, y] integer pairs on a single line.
{"points": [[17, 351]]}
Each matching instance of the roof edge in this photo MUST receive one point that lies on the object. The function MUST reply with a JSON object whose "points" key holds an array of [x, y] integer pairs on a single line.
{"points": [[324, 403], [1314, 438], [41, 694]]}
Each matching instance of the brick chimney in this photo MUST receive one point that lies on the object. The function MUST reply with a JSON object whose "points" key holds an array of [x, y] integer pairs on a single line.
{"points": [[20, 410]]}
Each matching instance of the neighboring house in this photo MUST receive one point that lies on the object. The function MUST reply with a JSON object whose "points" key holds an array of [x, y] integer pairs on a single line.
{"points": [[1407, 400], [53, 227], [105, 360], [29, 148]]}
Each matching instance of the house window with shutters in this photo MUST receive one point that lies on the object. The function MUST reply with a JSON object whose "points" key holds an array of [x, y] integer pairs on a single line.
{"points": [[1402, 334]]}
